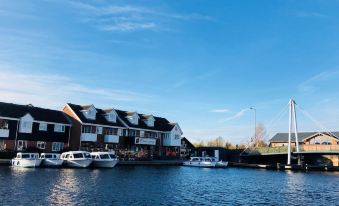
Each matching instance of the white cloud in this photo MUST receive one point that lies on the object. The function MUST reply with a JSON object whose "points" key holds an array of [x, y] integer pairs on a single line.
{"points": [[235, 116], [220, 111], [309, 14], [312, 84], [53, 90], [126, 18]]}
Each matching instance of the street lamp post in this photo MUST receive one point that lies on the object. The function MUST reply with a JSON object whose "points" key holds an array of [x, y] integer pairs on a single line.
{"points": [[255, 121]]}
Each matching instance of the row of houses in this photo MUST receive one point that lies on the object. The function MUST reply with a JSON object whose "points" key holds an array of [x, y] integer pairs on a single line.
{"points": [[86, 127]]}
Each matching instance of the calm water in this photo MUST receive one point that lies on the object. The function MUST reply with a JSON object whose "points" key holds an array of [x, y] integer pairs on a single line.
{"points": [[166, 186]]}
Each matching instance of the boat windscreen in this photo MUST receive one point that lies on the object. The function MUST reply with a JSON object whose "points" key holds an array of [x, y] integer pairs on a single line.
{"points": [[104, 156], [78, 155], [112, 156], [48, 156], [87, 155], [25, 156]]}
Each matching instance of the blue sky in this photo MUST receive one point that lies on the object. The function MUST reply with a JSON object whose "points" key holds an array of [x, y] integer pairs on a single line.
{"points": [[199, 63]]}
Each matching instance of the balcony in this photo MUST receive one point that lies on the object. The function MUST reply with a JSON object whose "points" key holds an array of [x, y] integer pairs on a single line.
{"points": [[111, 139], [145, 141], [4, 133], [88, 137]]}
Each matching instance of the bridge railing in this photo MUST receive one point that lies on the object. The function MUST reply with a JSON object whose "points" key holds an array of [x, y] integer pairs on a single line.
{"points": [[284, 149]]}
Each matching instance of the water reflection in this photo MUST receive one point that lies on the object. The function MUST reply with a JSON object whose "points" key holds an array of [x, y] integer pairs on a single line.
{"points": [[65, 188], [165, 186]]}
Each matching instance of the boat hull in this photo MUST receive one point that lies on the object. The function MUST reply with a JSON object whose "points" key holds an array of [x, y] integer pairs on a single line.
{"points": [[52, 162], [82, 163], [221, 164], [105, 163], [26, 163], [200, 164]]}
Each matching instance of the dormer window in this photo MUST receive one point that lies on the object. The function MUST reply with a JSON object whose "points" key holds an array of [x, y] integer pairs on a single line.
{"points": [[149, 120], [133, 118], [26, 124], [90, 113], [111, 116]]}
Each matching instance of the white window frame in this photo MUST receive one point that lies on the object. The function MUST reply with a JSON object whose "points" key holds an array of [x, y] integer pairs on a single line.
{"points": [[59, 128], [43, 126], [23, 144], [57, 146], [41, 145], [99, 130]]}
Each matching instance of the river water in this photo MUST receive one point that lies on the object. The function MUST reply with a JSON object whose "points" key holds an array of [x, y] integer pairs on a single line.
{"points": [[128, 185]]}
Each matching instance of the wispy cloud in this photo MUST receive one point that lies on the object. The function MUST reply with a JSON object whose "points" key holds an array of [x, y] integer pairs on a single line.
{"points": [[236, 115], [198, 77], [312, 84], [55, 90], [310, 14], [123, 18], [220, 111]]}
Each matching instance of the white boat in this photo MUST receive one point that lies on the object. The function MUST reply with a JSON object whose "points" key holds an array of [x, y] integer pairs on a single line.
{"points": [[104, 159], [80, 159], [26, 160], [200, 162], [51, 160]]}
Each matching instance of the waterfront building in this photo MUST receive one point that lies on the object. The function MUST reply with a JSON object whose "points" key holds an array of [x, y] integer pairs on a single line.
{"points": [[129, 133], [25, 127], [187, 149], [306, 138]]}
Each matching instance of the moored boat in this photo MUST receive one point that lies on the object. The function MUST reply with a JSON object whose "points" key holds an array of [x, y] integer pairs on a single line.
{"points": [[219, 164], [200, 162], [80, 159], [26, 160], [51, 160], [104, 159]]}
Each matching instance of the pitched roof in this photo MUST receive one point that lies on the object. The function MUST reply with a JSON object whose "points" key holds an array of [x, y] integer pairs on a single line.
{"points": [[160, 124], [99, 119], [283, 137], [39, 114]]}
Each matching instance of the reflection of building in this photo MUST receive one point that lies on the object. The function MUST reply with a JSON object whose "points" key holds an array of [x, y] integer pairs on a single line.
{"points": [[27, 127], [306, 138], [187, 148], [130, 132]]}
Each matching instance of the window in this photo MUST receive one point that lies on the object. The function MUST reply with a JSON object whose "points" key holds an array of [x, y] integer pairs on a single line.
{"points": [[21, 145], [86, 129], [41, 145], [3, 124], [78, 155], [26, 126], [99, 130], [142, 133], [57, 146], [112, 117], [120, 132], [43, 126], [59, 128], [177, 136]]}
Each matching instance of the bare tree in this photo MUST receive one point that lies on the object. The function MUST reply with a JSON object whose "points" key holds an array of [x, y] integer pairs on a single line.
{"points": [[259, 139], [217, 142]]}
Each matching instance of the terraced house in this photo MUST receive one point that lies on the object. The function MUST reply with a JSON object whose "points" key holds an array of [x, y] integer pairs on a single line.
{"points": [[25, 127], [128, 133]]}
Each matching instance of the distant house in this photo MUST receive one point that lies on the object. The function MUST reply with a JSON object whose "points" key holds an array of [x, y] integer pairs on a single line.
{"points": [[25, 127], [187, 148], [306, 138]]}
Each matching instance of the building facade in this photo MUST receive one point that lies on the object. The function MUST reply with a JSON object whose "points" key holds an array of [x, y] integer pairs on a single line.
{"points": [[25, 127], [306, 138], [128, 133]]}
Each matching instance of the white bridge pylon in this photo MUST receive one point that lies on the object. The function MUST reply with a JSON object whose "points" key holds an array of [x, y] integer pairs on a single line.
{"points": [[292, 122]]}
